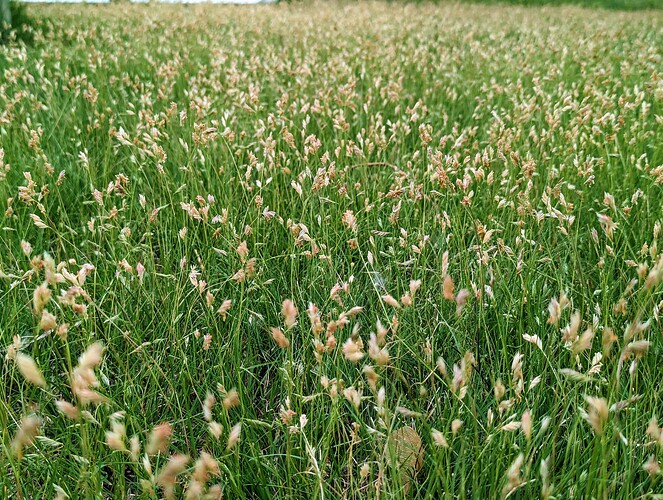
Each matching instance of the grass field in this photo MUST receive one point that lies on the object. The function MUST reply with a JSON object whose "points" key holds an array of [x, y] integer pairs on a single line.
{"points": [[605, 4], [332, 250]]}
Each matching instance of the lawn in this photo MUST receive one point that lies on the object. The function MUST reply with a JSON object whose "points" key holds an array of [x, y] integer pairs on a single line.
{"points": [[332, 250]]}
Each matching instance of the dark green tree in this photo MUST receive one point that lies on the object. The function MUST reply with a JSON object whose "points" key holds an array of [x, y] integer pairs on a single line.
{"points": [[5, 13]]}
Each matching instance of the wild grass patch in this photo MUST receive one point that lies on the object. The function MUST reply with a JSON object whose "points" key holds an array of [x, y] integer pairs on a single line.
{"points": [[332, 250]]}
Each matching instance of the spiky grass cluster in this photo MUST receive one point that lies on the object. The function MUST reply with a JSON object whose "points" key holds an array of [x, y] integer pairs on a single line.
{"points": [[332, 250]]}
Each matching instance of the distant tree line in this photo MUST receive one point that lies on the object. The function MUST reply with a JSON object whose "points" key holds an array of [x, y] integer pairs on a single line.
{"points": [[5, 13]]}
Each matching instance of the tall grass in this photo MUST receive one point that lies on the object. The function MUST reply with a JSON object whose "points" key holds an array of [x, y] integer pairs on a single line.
{"points": [[332, 250], [604, 4]]}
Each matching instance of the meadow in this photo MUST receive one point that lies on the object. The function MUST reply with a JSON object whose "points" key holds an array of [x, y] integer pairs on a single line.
{"points": [[332, 250]]}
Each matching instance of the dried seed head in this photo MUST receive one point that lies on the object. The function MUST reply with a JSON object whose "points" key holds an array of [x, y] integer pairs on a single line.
{"points": [[371, 377], [83, 378], [167, 477], [215, 429], [526, 424], [289, 312], [279, 338], [116, 437], [67, 409], [41, 297], [234, 435], [48, 321], [207, 406], [353, 396], [390, 301], [652, 466], [231, 399], [352, 350], [25, 435], [243, 251], [92, 356], [439, 439], [448, 288], [29, 369], [597, 414], [513, 477], [461, 300], [224, 308], [158, 439], [584, 342]]}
